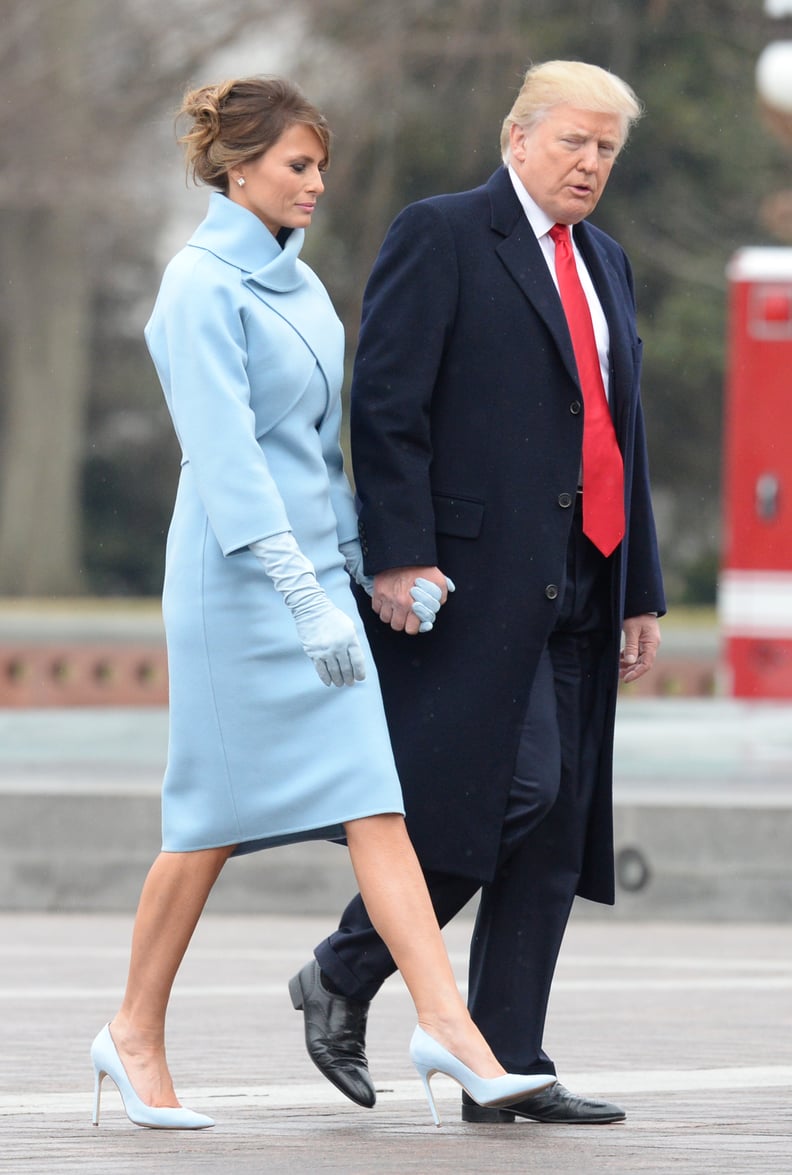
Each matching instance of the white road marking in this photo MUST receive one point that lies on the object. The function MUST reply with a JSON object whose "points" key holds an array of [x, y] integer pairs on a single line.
{"points": [[606, 1083], [641, 984], [568, 962]]}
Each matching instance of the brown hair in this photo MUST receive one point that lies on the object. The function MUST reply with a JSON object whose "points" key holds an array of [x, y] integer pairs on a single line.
{"points": [[237, 121]]}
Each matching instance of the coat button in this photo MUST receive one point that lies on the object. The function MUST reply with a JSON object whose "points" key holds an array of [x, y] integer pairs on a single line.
{"points": [[575, 407], [565, 500], [551, 591]]}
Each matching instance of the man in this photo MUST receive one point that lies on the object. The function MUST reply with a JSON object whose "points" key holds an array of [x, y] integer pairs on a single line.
{"points": [[498, 439]]}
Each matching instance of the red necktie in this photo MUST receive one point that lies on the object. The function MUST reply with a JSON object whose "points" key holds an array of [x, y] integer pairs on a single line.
{"points": [[603, 470]]}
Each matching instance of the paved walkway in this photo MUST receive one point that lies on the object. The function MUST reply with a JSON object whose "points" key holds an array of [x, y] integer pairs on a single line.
{"points": [[703, 797], [688, 1026]]}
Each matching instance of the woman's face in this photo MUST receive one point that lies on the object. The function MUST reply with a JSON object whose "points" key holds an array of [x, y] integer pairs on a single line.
{"points": [[282, 186]]}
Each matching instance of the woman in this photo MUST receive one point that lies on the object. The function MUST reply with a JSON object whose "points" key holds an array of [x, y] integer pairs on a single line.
{"points": [[263, 538]]}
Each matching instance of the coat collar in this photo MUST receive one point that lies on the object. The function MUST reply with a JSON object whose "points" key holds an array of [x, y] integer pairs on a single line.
{"points": [[275, 275], [238, 237]]}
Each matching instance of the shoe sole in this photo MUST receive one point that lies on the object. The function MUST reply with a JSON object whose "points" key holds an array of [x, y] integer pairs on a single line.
{"points": [[486, 1115]]}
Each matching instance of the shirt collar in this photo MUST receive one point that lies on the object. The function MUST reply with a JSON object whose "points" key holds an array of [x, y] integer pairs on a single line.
{"points": [[539, 221]]}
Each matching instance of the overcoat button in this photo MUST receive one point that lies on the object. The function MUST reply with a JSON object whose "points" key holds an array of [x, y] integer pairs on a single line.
{"points": [[565, 500], [551, 591], [575, 407]]}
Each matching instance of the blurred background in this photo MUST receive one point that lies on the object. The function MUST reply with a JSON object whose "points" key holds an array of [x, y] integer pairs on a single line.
{"points": [[93, 202]]}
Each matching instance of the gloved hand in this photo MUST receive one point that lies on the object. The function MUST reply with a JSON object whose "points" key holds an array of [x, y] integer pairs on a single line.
{"points": [[328, 637], [326, 634], [426, 600], [353, 560]]}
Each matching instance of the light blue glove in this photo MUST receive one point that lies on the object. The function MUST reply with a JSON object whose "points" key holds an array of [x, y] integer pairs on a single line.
{"points": [[326, 634], [353, 560], [426, 600]]}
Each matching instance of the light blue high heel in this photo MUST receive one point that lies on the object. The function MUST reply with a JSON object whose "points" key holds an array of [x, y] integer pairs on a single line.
{"points": [[107, 1063], [429, 1058]]}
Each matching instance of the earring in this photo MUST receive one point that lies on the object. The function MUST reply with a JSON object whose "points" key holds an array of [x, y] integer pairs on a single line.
{"points": [[241, 181]]}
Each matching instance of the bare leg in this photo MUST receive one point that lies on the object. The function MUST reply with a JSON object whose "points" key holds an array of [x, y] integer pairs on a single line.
{"points": [[397, 900], [173, 896]]}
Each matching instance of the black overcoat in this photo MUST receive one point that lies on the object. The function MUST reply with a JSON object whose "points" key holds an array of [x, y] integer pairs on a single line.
{"points": [[467, 426]]}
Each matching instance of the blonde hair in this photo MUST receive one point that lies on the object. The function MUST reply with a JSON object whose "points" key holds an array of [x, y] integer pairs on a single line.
{"points": [[238, 120], [573, 83]]}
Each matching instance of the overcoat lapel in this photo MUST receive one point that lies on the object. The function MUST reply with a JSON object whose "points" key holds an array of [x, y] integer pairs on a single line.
{"points": [[522, 256]]}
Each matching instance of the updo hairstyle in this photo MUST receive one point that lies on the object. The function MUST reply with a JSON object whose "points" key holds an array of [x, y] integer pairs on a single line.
{"points": [[237, 121]]}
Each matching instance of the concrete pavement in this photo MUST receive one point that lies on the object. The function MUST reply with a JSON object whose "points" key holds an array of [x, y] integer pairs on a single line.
{"points": [[677, 1004], [703, 810], [687, 1026], [703, 789]]}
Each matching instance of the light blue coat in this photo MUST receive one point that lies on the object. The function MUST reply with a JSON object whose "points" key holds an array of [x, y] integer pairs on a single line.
{"points": [[250, 356]]}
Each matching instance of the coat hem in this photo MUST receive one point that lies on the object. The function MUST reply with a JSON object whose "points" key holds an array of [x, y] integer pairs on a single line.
{"points": [[253, 844]]}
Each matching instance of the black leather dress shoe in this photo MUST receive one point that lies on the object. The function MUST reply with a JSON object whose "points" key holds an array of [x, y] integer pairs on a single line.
{"points": [[554, 1104], [335, 1034]]}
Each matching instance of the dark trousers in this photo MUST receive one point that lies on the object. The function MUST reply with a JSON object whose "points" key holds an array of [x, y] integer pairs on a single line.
{"points": [[524, 910]]}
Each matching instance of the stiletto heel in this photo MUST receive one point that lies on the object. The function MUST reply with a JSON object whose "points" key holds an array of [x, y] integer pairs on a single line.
{"points": [[107, 1063], [425, 1075], [429, 1058]]}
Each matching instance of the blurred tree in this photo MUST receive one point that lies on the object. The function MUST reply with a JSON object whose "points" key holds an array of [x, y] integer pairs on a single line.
{"points": [[80, 79], [422, 91], [416, 92]]}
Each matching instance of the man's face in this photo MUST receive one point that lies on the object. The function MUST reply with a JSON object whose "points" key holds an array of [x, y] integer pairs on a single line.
{"points": [[564, 161]]}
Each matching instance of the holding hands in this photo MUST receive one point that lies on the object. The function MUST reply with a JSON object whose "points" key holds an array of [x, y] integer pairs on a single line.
{"points": [[409, 598], [427, 601]]}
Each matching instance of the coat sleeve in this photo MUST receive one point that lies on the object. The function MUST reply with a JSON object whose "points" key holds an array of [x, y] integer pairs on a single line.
{"points": [[408, 312], [196, 337]]}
